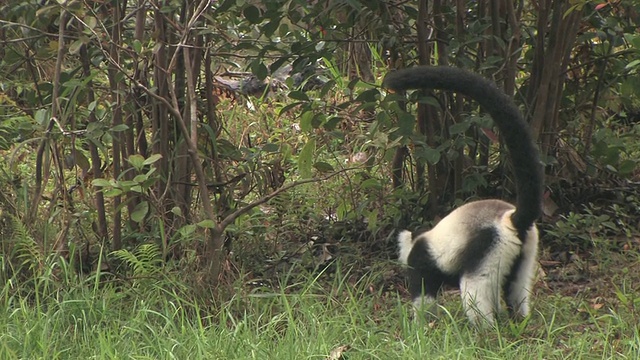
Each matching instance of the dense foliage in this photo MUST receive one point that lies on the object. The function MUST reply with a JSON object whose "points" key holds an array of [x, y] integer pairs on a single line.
{"points": [[210, 137]]}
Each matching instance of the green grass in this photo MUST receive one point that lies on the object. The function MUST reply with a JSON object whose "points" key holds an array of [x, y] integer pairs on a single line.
{"points": [[303, 320]]}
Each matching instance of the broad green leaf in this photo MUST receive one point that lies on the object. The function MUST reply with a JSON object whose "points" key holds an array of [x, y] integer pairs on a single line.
{"points": [[627, 167], [140, 212], [278, 63], [137, 46], [112, 192], [207, 223], [226, 5], [632, 64], [370, 95], [372, 219], [332, 123], [289, 107], [630, 87], [271, 147], [176, 210], [429, 100], [101, 182], [318, 119], [406, 123], [42, 117], [120, 127], [305, 159], [140, 178], [633, 39], [127, 183], [259, 69], [328, 86], [322, 166], [352, 83], [432, 156], [371, 184], [298, 95], [269, 28], [151, 159], [187, 229], [305, 121], [75, 46], [91, 22], [252, 14], [137, 161], [459, 128]]}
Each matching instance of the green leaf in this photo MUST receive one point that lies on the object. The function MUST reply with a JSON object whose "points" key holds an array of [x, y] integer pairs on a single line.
{"points": [[432, 156], [368, 95], [406, 123], [75, 46], [371, 184], [140, 212], [137, 46], [112, 192], [298, 95], [278, 64], [318, 119], [91, 22], [634, 40], [259, 70], [289, 107], [151, 159], [322, 166], [226, 5], [332, 123], [137, 161], [271, 27], [352, 83], [252, 14], [305, 121], [328, 86], [101, 182], [627, 167], [271, 148], [207, 223], [120, 127], [305, 159], [140, 178], [429, 100], [372, 220], [42, 117], [459, 128]]}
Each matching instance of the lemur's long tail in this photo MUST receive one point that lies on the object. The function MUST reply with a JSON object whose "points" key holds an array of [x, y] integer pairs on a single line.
{"points": [[514, 129]]}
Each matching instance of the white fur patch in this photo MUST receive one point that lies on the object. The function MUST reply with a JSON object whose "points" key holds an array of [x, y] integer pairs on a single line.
{"points": [[481, 289], [405, 244]]}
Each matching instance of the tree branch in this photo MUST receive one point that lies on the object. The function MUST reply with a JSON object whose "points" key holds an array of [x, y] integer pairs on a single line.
{"points": [[233, 216]]}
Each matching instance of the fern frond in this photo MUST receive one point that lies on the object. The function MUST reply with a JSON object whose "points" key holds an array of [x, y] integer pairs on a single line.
{"points": [[23, 247], [143, 261]]}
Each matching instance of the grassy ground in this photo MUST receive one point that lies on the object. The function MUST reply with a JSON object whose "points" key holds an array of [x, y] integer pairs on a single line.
{"points": [[353, 314]]}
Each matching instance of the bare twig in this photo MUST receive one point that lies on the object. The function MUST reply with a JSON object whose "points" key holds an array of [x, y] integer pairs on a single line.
{"points": [[233, 216], [40, 160]]}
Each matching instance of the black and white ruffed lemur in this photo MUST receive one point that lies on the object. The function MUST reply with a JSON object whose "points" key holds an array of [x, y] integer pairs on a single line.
{"points": [[487, 248]]}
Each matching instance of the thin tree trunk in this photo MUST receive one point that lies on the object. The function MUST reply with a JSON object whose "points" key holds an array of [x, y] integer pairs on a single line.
{"points": [[116, 93], [96, 162]]}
